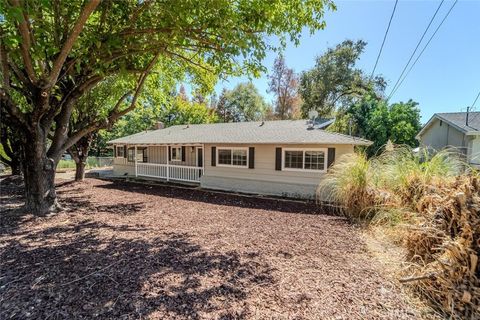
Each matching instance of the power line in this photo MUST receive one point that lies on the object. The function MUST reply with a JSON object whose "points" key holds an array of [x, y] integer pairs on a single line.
{"points": [[384, 38], [475, 101], [416, 48], [425, 47]]}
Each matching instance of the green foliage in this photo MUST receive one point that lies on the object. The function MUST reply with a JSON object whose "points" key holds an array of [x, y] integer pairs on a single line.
{"points": [[373, 119], [243, 103], [334, 83]]}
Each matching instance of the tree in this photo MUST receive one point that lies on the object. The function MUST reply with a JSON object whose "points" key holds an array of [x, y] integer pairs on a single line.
{"points": [[284, 85], [372, 118], [245, 103], [52, 53], [221, 109], [335, 83]]}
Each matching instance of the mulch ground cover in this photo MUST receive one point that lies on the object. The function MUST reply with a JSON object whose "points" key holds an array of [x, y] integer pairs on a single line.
{"points": [[123, 250]]}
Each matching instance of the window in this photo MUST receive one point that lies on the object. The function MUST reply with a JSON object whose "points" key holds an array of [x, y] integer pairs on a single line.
{"points": [[314, 159], [131, 155], [120, 151], [176, 153], [237, 157]]}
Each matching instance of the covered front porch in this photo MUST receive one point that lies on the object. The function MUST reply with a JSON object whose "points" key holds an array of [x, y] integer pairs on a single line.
{"points": [[169, 162]]}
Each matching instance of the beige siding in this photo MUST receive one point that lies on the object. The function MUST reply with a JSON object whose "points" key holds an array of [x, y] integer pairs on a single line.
{"points": [[264, 179], [441, 135], [474, 150]]}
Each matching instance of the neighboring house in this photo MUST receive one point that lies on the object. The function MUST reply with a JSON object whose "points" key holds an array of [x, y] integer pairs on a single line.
{"points": [[285, 158], [455, 129]]}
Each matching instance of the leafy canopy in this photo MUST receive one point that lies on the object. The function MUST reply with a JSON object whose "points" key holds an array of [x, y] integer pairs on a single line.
{"points": [[335, 82]]}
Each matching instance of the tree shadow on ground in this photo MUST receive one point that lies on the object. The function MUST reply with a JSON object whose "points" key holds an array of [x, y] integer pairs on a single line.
{"points": [[91, 269], [224, 198]]}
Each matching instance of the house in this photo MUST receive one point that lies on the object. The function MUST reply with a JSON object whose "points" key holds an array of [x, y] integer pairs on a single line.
{"points": [[457, 129], [284, 158]]}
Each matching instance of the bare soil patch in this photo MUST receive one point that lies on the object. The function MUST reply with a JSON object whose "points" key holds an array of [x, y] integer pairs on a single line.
{"points": [[127, 251]]}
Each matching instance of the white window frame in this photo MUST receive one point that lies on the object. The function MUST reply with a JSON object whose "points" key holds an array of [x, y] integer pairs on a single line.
{"points": [[178, 154], [231, 165], [117, 149], [325, 151]]}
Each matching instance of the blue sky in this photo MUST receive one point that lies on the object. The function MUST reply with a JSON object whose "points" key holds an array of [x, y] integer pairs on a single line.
{"points": [[445, 79]]}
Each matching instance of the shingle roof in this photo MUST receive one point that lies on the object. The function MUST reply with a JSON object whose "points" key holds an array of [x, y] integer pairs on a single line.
{"points": [[268, 132], [459, 119]]}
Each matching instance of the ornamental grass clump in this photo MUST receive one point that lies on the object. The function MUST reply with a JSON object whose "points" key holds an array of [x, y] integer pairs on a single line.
{"points": [[350, 183]]}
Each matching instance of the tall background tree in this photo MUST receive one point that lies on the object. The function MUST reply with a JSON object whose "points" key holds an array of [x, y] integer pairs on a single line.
{"points": [[372, 118], [335, 83], [284, 85], [242, 103], [53, 52]]}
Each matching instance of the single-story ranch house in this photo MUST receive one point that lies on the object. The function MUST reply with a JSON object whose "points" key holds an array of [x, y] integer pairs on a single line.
{"points": [[284, 158], [460, 130]]}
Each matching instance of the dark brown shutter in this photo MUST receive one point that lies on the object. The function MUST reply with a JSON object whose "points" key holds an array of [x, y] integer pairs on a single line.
{"points": [[278, 159], [251, 157], [114, 151], [183, 153], [331, 156], [125, 151], [169, 153], [214, 156]]}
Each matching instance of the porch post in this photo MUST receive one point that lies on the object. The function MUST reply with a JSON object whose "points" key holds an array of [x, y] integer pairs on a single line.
{"points": [[168, 164], [135, 157]]}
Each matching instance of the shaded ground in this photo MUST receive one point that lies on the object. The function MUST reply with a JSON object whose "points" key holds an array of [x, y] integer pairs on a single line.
{"points": [[127, 251]]}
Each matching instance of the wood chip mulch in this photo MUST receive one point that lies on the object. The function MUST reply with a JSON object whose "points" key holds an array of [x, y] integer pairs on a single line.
{"points": [[123, 250]]}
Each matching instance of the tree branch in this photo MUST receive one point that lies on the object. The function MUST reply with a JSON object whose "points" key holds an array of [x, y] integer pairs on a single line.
{"points": [[77, 28], [25, 45], [115, 114], [4, 63]]}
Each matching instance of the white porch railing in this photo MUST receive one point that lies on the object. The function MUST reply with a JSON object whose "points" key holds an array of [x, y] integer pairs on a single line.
{"points": [[169, 172]]}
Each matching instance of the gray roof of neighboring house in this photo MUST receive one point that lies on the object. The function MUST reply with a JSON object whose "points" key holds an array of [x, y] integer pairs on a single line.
{"points": [[267, 132], [458, 120]]}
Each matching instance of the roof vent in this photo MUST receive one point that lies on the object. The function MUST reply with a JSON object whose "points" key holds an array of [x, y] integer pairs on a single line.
{"points": [[159, 125]]}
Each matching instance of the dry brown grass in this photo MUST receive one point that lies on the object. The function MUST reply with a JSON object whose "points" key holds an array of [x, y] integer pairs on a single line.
{"points": [[443, 247]]}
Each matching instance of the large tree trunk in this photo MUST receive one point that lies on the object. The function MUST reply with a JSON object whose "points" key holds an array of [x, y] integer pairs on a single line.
{"points": [[80, 171], [16, 167], [79, 153], [39, 178]]}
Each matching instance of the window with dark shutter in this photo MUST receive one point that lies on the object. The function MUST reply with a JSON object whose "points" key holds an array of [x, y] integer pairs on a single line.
{"points": [[331, 156], [125, 148], [114, 151], [183, 153], [214, 156], [278, 159], [169, 153], [251, 158]]}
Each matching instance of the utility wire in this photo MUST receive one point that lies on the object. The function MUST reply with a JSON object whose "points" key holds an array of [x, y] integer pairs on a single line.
{"points": [[384, 38], [475, 101], [421, 52], [416, 48]]}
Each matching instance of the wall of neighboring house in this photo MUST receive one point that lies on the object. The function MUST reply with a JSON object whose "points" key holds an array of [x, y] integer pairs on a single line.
{"points": [[440, 135], [264, 178], [474, 151]]}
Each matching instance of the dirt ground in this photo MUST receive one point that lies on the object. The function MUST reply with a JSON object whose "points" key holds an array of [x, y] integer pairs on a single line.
{"points": [[123, 250]]}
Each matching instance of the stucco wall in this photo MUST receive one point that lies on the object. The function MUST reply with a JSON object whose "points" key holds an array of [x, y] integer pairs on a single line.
{"points": [[264, 179]]}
